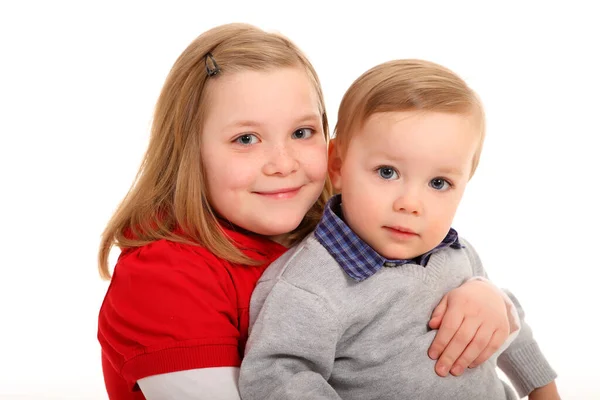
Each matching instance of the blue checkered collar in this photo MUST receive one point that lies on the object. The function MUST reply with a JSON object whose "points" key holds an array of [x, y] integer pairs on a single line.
{"points": [[355, 256]]}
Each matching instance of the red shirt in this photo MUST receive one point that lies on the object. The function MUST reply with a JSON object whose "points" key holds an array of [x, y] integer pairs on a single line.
{"points": [[173, 307]]}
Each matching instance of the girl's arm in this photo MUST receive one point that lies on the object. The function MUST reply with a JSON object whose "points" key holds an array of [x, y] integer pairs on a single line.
{"points": [[219, 383]]}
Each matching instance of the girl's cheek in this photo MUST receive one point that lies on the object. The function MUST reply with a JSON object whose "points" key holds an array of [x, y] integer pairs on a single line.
{"points": [[318, 160]]}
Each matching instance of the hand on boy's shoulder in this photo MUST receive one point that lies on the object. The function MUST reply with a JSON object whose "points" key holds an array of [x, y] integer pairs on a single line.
{"points": [[473, 324]]}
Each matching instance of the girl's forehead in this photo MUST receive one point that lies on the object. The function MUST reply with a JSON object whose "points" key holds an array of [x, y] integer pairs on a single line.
{"points": [[261, 83], [255, 95]]}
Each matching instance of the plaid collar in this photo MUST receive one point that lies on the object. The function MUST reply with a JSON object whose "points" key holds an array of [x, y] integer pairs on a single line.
{"points": [[355, 256]]}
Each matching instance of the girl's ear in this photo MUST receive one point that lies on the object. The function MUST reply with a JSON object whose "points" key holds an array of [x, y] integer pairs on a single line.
{"points": [[334, 165]]}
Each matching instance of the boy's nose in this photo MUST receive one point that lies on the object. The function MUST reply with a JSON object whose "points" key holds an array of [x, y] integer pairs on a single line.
{"points": [[408, 201]]}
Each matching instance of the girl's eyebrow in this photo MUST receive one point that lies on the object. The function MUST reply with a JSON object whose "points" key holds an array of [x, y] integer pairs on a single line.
{"points": [[248, 123], [309, 117], [243, 123]]}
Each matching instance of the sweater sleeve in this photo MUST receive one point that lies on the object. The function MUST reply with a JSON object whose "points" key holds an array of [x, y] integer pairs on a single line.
{"points": [[522, 361], [168, 308], [291, 349]]}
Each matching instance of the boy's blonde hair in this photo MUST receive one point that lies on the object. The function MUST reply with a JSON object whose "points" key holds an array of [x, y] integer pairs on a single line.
{"points": [[406, 85], [168, 199]]}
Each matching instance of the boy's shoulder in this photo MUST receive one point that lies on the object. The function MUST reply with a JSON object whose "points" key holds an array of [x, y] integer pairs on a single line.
{"points": [[307, 265]]}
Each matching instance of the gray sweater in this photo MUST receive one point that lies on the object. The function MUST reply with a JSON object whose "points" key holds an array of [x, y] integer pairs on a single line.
{"points": [[317, 334]]}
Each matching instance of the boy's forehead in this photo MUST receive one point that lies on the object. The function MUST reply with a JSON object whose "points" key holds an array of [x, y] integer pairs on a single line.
{"points": [[415, 117], [391, 117], [384, 125], [443, 140]]}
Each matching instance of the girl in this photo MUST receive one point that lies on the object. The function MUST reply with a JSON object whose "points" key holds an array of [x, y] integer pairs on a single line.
{"points": [[235, 172]]}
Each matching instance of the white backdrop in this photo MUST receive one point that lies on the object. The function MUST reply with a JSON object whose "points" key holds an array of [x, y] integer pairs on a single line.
{"points": [[78, 82]]}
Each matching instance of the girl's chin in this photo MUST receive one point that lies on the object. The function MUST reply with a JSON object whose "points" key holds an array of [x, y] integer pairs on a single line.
{"points": [[280, 233]]}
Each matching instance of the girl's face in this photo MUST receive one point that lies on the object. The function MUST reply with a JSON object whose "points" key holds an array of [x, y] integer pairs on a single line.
{"points": [[263, 149]]}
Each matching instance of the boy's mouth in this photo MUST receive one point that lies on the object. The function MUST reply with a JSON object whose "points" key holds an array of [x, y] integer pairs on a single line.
{"points": [[400, 230]]}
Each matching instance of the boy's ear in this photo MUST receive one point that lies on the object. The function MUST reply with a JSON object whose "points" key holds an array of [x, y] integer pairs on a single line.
{"points": [[334, 165]]}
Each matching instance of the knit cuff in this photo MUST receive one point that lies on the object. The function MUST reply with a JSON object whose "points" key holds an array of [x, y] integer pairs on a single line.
{"points": [[527, 368]]}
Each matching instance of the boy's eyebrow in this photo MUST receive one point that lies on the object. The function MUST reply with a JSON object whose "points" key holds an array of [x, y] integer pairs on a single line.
{"points": [[446, 170], [450, 171]]}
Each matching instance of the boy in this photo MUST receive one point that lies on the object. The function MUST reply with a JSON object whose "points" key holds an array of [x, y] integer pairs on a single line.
{"points": [[344, 314]]}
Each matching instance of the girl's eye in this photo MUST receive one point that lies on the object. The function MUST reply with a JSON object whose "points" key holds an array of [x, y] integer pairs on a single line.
{"points": [[387, 173], [440, 184], [303, 133], [247, 139]]}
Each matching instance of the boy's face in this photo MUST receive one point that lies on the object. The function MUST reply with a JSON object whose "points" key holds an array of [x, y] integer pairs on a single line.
{"points": [[402, 178]]}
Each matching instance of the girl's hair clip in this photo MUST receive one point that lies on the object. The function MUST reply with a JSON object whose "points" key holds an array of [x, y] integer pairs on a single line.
{"points": [[212, 68]]}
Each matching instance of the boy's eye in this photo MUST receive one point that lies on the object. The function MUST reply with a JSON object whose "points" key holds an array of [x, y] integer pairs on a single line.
{"points": [[247, 139], [303, 133], [387, 173], [440, 184]]}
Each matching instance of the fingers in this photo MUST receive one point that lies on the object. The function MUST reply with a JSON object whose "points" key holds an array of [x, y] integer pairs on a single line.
{"points": [[479, 343], [497, 339], [457, 345], [472, 327], [438, 313], [448, 327]]}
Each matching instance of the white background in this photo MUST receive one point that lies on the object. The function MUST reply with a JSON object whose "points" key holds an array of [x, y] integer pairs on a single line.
{"points": [[78, 82]]}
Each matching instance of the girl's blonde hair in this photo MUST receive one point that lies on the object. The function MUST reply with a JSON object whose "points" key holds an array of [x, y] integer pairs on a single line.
{"points": [[168, 199], [406, 85]]}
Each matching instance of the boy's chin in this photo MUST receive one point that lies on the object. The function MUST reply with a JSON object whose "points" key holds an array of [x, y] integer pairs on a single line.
{"points": [[398, 254]]}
